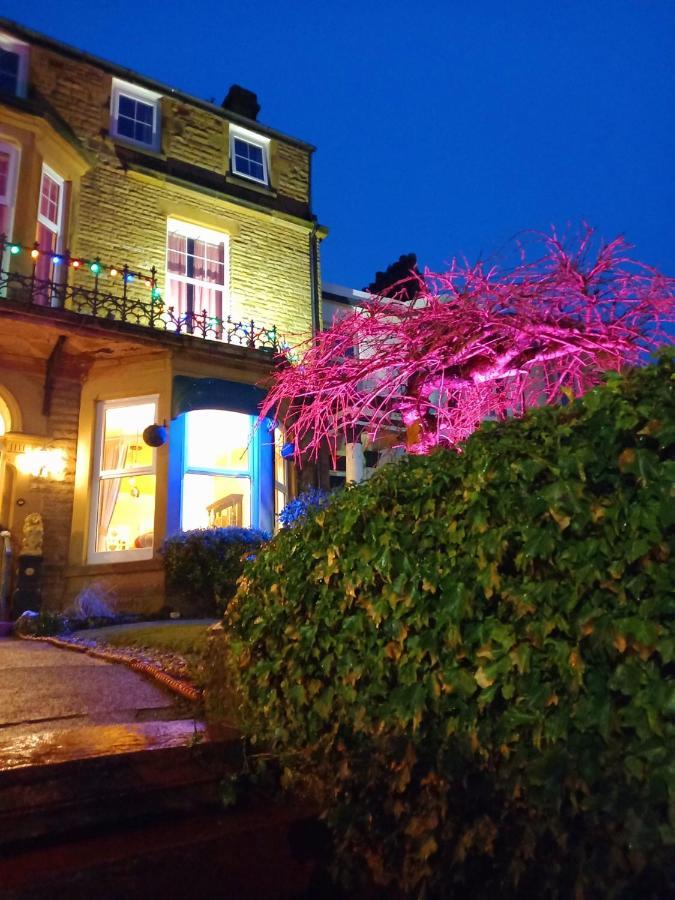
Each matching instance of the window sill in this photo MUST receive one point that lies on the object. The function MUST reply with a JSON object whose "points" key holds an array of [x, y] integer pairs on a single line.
{"points": [[137, 145], [112, 568], [249, 183]]}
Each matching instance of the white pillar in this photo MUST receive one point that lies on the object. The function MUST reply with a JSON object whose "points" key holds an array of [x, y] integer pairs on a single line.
{"points": [[355, 462]]}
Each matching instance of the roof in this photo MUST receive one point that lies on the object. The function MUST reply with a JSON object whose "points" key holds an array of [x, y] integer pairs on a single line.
{"points": [[340, 294], [35, 37]]}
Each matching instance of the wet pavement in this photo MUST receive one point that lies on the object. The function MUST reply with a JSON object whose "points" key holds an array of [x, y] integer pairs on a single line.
{"points": [[64, 705]]}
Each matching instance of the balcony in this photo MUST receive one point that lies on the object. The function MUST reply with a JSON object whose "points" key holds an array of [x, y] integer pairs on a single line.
{"points": [[34, 278]]}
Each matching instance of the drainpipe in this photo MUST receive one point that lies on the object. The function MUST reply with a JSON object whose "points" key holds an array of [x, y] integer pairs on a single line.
{"points": [[315, 288]]}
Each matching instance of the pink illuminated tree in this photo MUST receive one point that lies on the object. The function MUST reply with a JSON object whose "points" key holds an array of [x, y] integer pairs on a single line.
{"points": [[476, 342]]}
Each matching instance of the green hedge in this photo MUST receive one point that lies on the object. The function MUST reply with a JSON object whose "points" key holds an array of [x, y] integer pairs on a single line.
{"points": [[469, 658], [202, 566]]}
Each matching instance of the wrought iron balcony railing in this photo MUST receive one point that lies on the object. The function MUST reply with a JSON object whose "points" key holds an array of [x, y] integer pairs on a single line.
{"points": [[34, 277]]}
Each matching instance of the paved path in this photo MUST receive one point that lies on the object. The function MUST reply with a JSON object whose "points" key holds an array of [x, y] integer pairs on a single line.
{"points": [[43, 687]]}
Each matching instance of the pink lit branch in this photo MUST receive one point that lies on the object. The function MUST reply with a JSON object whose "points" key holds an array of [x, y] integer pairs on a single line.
{"points": [[476, 343]]}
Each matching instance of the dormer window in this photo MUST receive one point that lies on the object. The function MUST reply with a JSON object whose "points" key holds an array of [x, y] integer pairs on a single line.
{"points": [[13, 66], [249, 155], [134, 115]]}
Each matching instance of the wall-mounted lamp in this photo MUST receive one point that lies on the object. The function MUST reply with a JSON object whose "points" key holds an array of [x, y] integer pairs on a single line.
{"points": [[44, 462]]}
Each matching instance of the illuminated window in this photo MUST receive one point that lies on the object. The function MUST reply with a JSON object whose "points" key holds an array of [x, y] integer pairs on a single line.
{"points": [[124, 482], [134, 115], [218, 469], [197, 278], [13, 66], [248, 154], [280, 474]]}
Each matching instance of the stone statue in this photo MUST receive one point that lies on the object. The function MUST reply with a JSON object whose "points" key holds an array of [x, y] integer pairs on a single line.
{"points": [[31, 538]]}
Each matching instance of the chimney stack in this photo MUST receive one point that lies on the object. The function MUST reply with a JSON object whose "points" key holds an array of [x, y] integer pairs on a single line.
{"points": [[242, 101]]}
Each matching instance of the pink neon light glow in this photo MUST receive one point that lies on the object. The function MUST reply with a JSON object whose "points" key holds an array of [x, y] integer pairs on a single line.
{"points": [[477, 342]]}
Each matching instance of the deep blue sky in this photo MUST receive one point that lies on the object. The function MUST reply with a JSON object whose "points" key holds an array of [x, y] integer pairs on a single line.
{"points": [[442, 128]]}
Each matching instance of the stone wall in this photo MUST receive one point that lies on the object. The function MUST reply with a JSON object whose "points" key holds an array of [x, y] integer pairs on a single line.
{"points": [[122, 218]]}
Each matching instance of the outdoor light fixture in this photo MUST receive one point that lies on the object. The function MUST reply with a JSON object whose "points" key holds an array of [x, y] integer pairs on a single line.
{"points": [[155, 435], [45, 462]]}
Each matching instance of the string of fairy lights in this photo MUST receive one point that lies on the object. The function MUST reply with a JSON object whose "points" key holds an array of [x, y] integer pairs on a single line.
{"points": [[95, 266]]}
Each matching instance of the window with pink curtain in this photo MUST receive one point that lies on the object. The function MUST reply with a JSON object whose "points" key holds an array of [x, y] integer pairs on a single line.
{"points": [[196, 283], [7, 166]]}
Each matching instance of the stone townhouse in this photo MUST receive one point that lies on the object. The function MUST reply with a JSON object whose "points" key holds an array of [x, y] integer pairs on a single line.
{"points": [[156, 249]]}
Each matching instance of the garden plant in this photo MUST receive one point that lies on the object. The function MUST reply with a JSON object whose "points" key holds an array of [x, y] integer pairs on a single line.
{"points": [[467, 661], [439, 354], [202, 566]]}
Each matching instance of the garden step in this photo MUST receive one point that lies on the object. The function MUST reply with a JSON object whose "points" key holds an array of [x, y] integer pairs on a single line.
{"points": [[67, 781]]}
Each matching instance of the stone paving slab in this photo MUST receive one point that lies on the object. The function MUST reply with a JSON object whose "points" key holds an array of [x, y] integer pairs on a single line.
{"points": [[42, 687], [90, 741]]}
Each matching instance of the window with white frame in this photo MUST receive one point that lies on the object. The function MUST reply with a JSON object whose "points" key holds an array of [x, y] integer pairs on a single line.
{"points": [[123, 495], [9, 170], [281, 466], [49, 234], [197, 278], [135, 115], [218, 469], [249, 154], [13, 66]]}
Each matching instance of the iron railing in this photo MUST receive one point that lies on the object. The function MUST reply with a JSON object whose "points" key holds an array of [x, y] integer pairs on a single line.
{"points": [[114, 293]]}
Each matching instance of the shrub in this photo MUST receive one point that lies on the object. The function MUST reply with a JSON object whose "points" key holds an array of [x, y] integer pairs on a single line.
{"points": [[297, 510], [467, 658], [202, 566], [46, 623]]}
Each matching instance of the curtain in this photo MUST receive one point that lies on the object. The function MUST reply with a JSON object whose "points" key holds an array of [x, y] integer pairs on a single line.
{"points": [[114, 457], [43, 269]]}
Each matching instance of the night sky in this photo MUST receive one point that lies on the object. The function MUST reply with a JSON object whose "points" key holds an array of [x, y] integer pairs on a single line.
{"points": [[443, 128]]}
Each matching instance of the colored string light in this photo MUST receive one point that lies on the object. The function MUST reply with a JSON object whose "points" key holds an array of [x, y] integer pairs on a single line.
{"points": [[95, 267]]}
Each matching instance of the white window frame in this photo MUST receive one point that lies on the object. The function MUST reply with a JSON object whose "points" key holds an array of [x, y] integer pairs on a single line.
{"points": [[107, 556], [12, 45], [280, 488], [256, 140], [55, 227], [142, 95], [9, 200], [209, 236]]}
